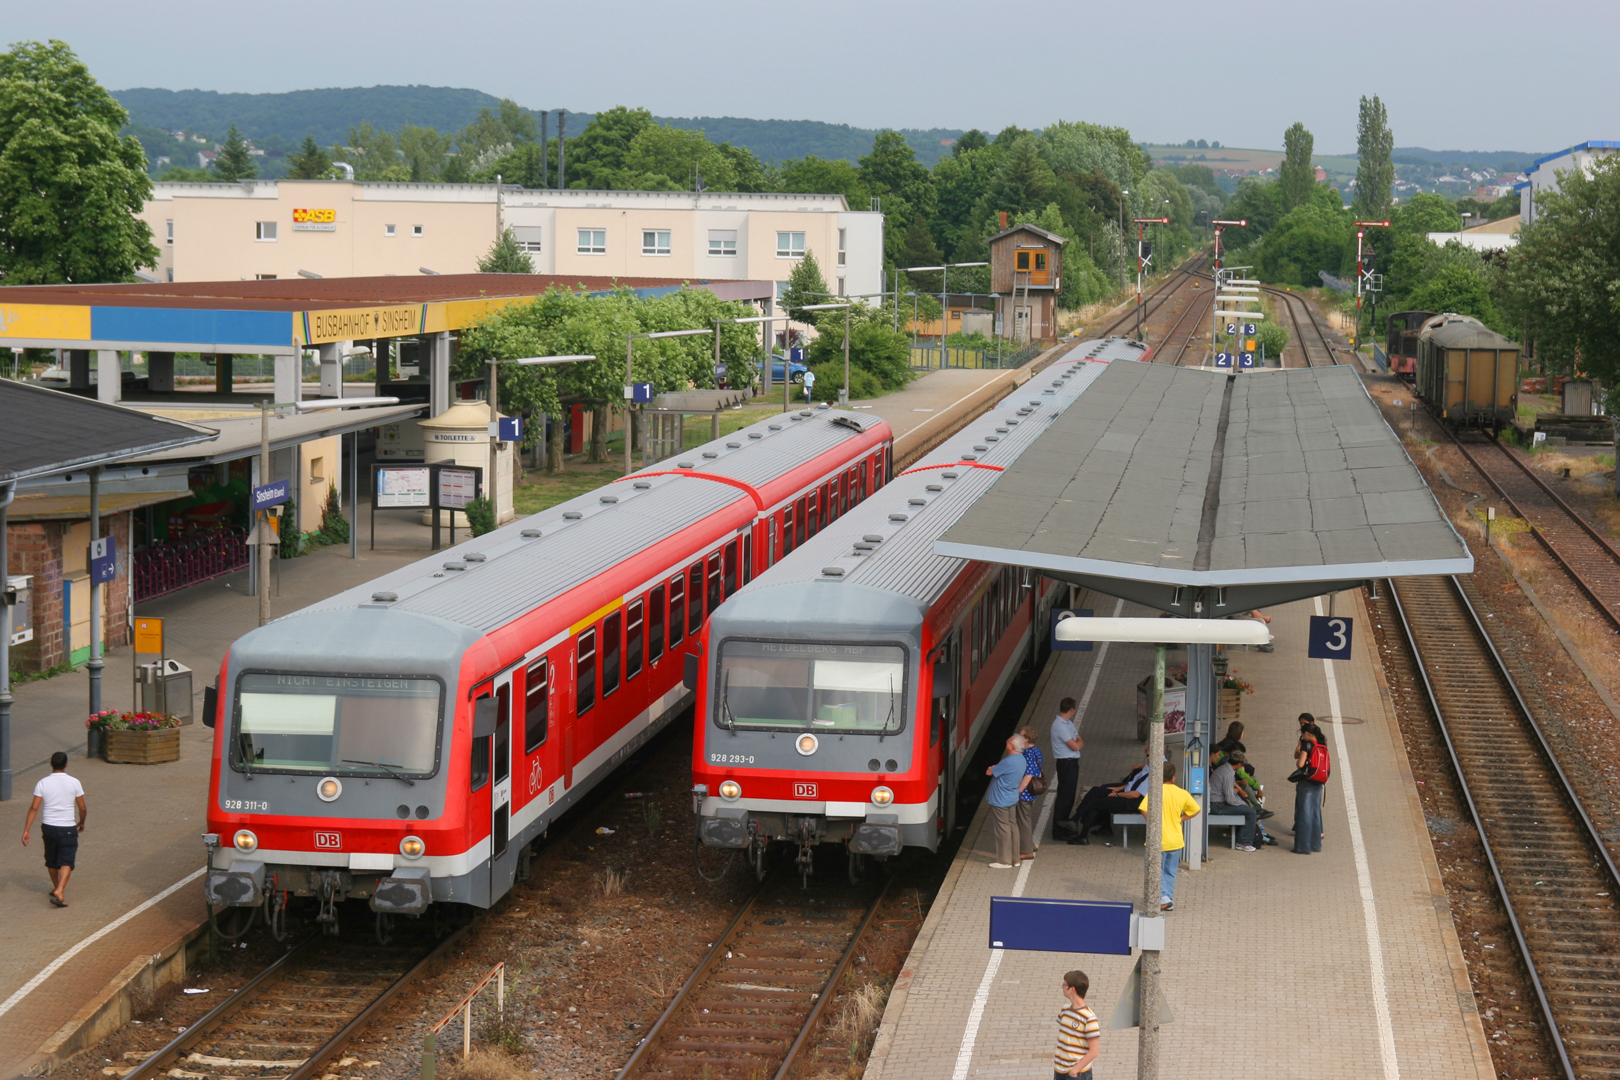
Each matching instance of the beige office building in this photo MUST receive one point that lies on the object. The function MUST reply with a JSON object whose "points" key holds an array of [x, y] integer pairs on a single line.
{"points": [[343, 228]]}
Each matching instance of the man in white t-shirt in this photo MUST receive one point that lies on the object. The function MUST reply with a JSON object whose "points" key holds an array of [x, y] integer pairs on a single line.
{"points": [[61, 797], [809, 385]]}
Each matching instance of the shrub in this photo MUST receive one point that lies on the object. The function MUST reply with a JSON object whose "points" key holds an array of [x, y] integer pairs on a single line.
{"points": [[873, 347], [480, 516], [334, 526], [830, 379]]}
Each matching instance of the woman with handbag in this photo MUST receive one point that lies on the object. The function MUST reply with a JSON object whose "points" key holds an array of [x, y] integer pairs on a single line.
{"points": [[1309, 779], [1032, 786]]}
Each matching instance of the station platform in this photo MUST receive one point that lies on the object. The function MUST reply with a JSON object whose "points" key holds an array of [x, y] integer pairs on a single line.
{"points": [[1339, 964]]}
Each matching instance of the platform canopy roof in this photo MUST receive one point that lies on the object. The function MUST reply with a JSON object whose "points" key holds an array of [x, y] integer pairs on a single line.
{"points": [[1205, 494], [44, 432]]}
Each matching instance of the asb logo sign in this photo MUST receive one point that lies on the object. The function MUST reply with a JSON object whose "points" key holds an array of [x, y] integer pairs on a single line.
{"points": [[317, 220], [804, 791], [328, 841]]}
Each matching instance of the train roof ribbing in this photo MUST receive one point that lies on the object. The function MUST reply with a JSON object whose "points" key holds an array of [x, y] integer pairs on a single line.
{"points": [[585, 536], [902, 561]]}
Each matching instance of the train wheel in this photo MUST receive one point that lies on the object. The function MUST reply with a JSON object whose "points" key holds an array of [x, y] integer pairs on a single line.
{"points": [[761, 846], [385, 928], [857, 867], [276, 914]]}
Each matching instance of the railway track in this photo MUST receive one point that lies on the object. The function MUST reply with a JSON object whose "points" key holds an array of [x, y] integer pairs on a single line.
{"points": [[1589, 558], [1153, 301], [292, 1018], [757, 1000], [1300, 310], [1559, 887]]}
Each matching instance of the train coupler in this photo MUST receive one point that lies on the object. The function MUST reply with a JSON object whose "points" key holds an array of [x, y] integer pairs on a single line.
{"points": [[329, 882]]}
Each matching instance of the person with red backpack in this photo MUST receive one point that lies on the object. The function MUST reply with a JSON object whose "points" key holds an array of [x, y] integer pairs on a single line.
{"points": [[1312, 768]]}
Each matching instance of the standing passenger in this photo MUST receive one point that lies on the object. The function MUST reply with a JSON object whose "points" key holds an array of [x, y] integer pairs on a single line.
{"points": [[1005, 777], [1066, 747], [1308, 793], [62, 798], [1178, 807], [1033, 771], [809, 385], [1078, 1031]]}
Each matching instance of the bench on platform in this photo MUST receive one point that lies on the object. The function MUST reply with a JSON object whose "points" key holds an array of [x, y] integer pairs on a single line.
{"points": [[1125, 821]]}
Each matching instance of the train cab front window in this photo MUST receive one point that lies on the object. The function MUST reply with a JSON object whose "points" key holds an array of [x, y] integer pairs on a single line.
{"points": [[812, 686], [337, 724]]}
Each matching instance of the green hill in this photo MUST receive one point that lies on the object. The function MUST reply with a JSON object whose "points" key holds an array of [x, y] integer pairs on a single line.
{"points": [[274, 120]]}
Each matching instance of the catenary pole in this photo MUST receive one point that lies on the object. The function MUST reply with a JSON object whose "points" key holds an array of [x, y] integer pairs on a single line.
{"points": [[7, 490], [95, 665], [1147, 1047]]}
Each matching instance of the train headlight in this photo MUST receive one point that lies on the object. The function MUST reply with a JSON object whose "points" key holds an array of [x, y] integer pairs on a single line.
{"points": [[730, 790], [882, 796], [412, 847], [806, 744], [245, 841], [329, 789]]}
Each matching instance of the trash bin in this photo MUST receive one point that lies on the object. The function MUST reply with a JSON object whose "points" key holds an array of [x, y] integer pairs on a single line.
{"points": [[168, 691]]}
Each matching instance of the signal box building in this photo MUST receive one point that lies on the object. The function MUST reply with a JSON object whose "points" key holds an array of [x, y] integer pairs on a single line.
{"points": [[1026, 271]]}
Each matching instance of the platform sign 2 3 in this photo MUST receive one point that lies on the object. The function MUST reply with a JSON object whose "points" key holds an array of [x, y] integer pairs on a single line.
{"points": [[1330, 637]]}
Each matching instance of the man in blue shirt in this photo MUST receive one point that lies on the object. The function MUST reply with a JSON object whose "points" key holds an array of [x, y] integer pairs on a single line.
{"points": [[1006, 777], [1066, 747]]}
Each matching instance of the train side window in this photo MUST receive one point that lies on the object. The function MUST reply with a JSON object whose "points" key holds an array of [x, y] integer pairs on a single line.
{"points": [[714, 582], [612, 643], [479, 771], [748, 557], [730, 575], [503, 731], [677, 609], [798, 516], [863, 481], [877, 469], [585, 695], [655, 624], [634, 637], [536, 706], [824, 506], [787, 531], [694, 592], [810, 514], [936, 719]]}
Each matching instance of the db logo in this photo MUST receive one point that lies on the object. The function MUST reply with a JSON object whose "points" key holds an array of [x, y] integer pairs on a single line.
{"points": [[804, 791], [328, 841]]}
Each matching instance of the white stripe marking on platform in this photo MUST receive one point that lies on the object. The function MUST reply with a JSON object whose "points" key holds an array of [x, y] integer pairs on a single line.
{"points": [[981, 997], [55, 965], [1369, 911]]}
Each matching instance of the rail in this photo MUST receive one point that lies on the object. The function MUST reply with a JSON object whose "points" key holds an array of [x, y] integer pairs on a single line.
{"points": [[464, 1008], [1553, 874]]}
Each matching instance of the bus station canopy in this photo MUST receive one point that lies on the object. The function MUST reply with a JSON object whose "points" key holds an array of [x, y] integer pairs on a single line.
{"points": [[1203, 493]]}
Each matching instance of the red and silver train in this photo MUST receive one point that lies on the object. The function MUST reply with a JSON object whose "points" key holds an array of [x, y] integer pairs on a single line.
{"points": [[841, 695], [403, 742]]}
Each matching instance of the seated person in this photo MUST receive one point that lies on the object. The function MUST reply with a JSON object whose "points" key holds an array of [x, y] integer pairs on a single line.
{"points": [[1224, 798], [1097, 809], [1233, 741]]}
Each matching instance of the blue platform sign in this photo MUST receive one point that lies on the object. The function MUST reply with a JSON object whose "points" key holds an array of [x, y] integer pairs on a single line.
{"points": [[1223, 359], [641, 391], [796, 354], [508, 429], [1246, 359], [274, 493], [1069, 646], [1231, 328], [103, 560], [1082, 926], [1330, 637], [1248, 329]]}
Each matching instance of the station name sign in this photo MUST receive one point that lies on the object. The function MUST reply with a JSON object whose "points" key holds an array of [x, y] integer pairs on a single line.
{"points": [[314, 220], [355, 324]]}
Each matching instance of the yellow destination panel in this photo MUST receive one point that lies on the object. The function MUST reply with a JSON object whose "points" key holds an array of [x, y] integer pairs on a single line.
{"points": [[69, 322]]}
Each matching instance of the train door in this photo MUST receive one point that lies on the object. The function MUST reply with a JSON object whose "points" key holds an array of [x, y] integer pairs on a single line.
{"points": [[502, 854], [947, 698]]}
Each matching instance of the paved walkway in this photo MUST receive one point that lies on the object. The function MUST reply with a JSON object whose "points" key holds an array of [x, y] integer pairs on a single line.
{"points": [[1343, 964]]}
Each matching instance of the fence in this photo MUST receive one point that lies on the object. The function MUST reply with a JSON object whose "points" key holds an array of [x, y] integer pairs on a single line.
{"points": [[164, 568], [464, 1007]]}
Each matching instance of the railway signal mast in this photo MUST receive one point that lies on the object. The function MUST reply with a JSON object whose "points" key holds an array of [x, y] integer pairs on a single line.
{"points": [[1366, 280], [1144, 259], [1220, 224]]}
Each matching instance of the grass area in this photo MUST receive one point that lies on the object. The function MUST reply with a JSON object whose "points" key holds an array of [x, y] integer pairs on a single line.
{"points": [[541, 490]]}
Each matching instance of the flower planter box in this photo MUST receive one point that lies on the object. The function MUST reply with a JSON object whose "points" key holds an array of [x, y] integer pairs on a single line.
{"points": [[1229, 702], [143, 747]]}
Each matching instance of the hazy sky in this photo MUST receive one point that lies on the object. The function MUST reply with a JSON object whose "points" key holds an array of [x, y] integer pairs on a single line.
{"points": [[1482, 75]]}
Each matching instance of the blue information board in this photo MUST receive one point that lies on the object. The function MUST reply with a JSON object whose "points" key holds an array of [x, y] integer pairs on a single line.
{"points": [[1076, 926], [103, 560], [1330, 637], [274, 493], [1066, 613]]}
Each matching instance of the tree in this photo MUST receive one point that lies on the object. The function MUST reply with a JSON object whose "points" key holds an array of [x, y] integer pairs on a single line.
{"points": [[233, 162], [1462, 289], [505, 257], [1298, 174], [973, 139], [424, 150], [1375, 172], [310, 162], [811, 175], [891, 168], [374, 155], [1023, 184], [71, 190], [598, 155], [805, 286], [873, 348]]}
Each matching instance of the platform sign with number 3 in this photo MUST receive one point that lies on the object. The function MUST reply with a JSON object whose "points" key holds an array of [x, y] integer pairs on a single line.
{"points": [[1330, 637]]}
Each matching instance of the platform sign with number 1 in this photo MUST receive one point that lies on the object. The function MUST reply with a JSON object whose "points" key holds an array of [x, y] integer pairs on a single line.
{"points": [[1330, 637]]}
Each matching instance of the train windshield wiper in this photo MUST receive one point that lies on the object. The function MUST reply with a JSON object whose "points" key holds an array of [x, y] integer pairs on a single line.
{"points": [[244, 752], [887, 720], [389, 769], [726, 718]]}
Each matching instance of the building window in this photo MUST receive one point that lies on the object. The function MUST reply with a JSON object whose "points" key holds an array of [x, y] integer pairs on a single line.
{"points": [[593, 241], [264, 230], [840, 286], [723, 242], [317, 470], [388, 230], [264, 277], [790, 245], [655, 241], [168, 231], [527, 238], [842, 252], [171, 273], [416, 230]]}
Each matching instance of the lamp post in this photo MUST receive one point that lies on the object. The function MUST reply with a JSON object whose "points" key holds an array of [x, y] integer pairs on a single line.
{"points": [[629, 353], [1160, 633], [843, 392], [1141, 264], [495, 417], [765, 376], [944, 299]]}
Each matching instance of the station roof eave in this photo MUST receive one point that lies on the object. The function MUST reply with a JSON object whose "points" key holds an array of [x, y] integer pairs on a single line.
{"points": [[1207, 494], [238, 437], [44, 431]]}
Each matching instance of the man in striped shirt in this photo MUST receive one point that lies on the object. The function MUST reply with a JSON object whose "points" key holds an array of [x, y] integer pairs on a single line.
{"points": [[1078, 1031]]}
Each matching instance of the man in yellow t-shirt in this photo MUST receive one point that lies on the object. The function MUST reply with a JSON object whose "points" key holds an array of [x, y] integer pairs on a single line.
{"points": [[1178, 807]]}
